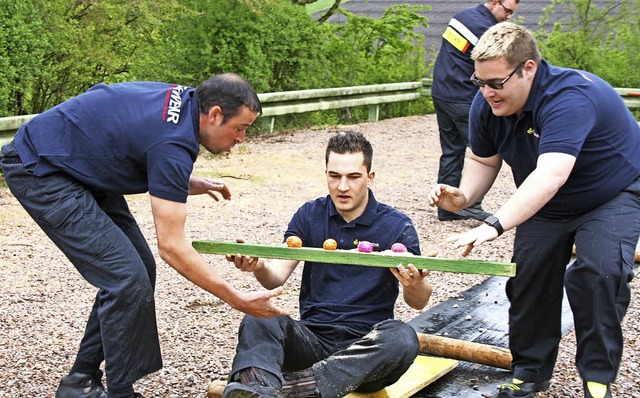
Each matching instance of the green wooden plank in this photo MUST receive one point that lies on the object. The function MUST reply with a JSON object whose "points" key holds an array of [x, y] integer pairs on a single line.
{"points": [[352, 257]]}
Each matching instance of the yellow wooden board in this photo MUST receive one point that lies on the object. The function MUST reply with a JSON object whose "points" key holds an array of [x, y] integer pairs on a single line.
{"points": [[424, 371]]}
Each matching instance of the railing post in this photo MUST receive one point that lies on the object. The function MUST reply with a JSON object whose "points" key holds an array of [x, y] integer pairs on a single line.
{"points": [[374, 113], [267, 122]]}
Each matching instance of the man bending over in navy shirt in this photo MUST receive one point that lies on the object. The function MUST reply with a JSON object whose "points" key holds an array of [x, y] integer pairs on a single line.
{"points": [[70, 166]]}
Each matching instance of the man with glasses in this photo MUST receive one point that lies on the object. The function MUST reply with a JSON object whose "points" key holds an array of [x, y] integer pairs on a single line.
{"points": [[452, 92], [574, 150]]}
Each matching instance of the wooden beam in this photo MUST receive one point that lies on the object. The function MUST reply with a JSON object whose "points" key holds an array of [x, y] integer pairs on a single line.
{"points": [[352, 257], [465, 350]]}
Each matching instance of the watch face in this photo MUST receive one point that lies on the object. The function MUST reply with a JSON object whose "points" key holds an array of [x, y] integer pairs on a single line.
{"points": [[495, 223], [491, 220]]}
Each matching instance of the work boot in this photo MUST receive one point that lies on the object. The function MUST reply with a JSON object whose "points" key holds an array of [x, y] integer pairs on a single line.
{"points": [[299, 384], [444, 215], [81, 385], [593, 389], [520, 389], [476, 212], [253, 383]]}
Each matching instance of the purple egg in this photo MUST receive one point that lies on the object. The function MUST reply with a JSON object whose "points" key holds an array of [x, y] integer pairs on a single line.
{"points": [[365, 247]]}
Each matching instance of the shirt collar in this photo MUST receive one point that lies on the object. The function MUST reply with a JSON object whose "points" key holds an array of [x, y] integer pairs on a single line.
{"points": [[369, 215], [536, 87]]}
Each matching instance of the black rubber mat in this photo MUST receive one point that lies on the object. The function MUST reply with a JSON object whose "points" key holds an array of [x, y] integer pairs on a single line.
{"points": [[478, 315]]}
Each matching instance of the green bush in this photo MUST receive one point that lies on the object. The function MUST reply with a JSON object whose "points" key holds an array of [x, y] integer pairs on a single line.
{"points": [[53, 50], [271, 43], [600, 37], [365, 51]]}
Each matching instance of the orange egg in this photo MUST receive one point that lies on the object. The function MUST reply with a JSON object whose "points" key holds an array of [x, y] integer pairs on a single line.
{"points": [[294, 241], [330, 244]]}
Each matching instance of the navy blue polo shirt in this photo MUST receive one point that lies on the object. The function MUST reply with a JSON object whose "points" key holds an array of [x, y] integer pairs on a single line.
{"points": [[124, 138], [454, 66], [350, 295], [568, 111]]}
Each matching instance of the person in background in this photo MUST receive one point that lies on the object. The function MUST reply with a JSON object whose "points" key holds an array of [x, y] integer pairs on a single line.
{"points": [[574, 151], [346, 339], [70, 168], [452, 92]]}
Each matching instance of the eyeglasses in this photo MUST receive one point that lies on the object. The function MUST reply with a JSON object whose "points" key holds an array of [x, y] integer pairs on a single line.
{"points": [[507, 11], [494, 84]]}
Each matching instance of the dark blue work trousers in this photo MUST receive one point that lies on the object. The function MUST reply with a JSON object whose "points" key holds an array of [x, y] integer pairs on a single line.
{"points": [[98, 234], [597, 286], [343, 360], [453, 125]]}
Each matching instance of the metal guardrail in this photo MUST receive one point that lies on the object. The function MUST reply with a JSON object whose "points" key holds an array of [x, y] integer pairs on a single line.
{"points": [[630, 96], [9, 126], [289, 102]]}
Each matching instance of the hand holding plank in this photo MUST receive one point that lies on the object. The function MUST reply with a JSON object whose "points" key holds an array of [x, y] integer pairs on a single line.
{"points": [[245, 263]]}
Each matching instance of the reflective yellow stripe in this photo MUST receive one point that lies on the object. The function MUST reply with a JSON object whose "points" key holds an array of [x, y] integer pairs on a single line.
{"points": [[456, 39]]}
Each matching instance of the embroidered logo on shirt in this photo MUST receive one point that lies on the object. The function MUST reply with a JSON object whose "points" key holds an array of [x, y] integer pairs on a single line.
{"points": [[585, 76], [172, 104], [531, 131], [355, 243]]}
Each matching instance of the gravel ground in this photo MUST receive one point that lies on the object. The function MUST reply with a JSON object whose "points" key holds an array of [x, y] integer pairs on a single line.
{"points": [[44, 302]]}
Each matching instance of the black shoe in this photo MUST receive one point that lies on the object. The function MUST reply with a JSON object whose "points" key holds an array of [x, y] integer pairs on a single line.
{"points": [[444, 215], [80, 385], [520, 389], [596, 390], [254, 390], [476, 212]]}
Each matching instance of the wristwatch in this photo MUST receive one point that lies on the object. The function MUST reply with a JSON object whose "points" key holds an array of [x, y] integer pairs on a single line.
{"points": [[493, 221]]}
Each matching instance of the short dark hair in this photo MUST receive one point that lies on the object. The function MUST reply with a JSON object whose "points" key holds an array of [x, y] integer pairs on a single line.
{"points": [[228, 91], [350, 142]]}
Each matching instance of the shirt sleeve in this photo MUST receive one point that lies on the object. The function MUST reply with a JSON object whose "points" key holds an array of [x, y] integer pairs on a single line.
{"points": [[566, 122], [169, 168], [480, 140]]}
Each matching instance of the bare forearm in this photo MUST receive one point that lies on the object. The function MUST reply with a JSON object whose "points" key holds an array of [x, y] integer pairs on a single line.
{"points": [[190, 264], [477, 179], [536, 191], [417, 296], [274, 273]]}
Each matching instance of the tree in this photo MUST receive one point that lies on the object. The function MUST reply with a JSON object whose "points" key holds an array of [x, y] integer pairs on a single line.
{"points": [[23, 38], [369, 51], [333, 9], [600, 37], [59, 48], [272, 43]]}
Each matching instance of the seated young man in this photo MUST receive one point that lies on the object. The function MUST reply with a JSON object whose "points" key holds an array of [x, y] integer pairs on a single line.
{"points": [[346, 339]]}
